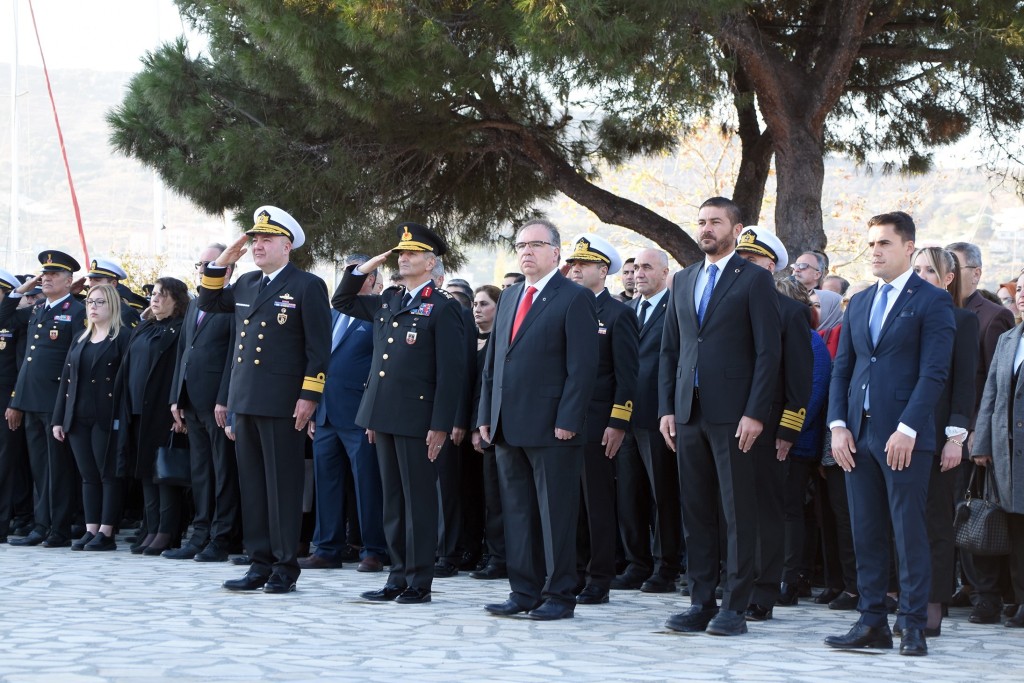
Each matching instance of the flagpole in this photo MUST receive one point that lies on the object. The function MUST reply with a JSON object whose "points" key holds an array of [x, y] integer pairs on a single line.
{"points": [[11, 262]]}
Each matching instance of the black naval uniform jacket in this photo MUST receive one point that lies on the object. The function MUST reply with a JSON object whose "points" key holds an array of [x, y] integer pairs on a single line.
{"points": [[48, 334], [618, 365], [417, 375], [793, 388], [282, 342]]}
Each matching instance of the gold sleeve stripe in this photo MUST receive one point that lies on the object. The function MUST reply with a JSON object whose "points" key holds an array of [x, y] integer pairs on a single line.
{"points": [[622, 412], [314, 383], [793, 420], [210, 282]]}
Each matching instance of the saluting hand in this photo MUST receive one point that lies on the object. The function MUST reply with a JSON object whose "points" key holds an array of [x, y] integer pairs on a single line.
{"points": [[78, 286], [231, 255], [668, 430], [374, 263], [29, 285]]}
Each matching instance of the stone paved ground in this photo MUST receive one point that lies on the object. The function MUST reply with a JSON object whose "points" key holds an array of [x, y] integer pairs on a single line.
{"points": [[117, 617]]}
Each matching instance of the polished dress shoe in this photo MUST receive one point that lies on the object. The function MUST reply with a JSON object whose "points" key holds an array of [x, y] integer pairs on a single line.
{"points": [[386, 594], [155, 551], [370, 564], [592, 595], [349, 554], [862, 636], [789, 595], [23, 530], [844, 602], [758, 613], [413, 596], [985, 612], [445, 570], [185, 552], [250, 582], [693, 620], [658, 584], [508, 608], [278, 583], [101, 542], [551, 610], [316, 561], [241, 560], [56, 541], [627, 582], [490, 572], [211, 553], [826, 596], [897, 630], [913, 643], [1017, 620], [727, 623], [83, 541]]}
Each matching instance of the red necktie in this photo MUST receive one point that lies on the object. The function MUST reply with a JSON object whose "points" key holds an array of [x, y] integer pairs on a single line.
{"points": [[524, 308]]}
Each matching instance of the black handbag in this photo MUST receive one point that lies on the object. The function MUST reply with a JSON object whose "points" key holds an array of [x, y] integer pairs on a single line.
{"points": [[173, 462], [979, 526]]}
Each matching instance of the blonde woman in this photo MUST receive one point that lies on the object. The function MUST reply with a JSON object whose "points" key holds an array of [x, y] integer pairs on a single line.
{"points": [[84, 414]]}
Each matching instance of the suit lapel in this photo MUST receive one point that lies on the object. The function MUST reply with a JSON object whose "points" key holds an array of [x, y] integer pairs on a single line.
{"points": [[540, 303], [730, 271], [901, 300], [275, 286], [689, 283]]}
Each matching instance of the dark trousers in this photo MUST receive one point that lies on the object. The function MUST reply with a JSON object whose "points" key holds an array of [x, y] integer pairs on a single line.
{"points": [[770, 554], [15, 473], [882, 498], [798, 474], [102, 490], [597, 517], [1015, 524], [494, 525], [53, 476], [941, 505], [271, 477], [635, 505], [163, 504], [409, 484], [214, 482], [988, 575], [471, 496], [540, 496], [711, 469], [449, 485], [345, 461], [839, 504]]}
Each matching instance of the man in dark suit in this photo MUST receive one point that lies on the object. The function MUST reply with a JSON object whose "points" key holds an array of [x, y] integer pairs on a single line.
{"points": [[538, 379], [283, 342], [342, 450], [720, 356], [51, 327], [411, 398], [786, 420], [608, 416], [894, 355], [647, 476], [986, 575], [199, 399]]}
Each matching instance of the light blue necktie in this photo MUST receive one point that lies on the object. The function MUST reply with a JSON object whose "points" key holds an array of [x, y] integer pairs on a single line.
{"points": [[875, 327], [339, 329], [705, 297]]}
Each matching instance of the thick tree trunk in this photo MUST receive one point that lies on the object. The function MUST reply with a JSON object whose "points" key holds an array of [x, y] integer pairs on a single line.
{"points": [[756, 150], [800, 175]]}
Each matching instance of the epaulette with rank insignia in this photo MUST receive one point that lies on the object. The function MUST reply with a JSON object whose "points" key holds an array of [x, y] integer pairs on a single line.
{"points": [[444, 292], [394, 288]]}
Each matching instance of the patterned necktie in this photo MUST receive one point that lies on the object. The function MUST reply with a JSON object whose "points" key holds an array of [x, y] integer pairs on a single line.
{"points": [[705, 297], [524, 308], [643, 312], [878, 313]]}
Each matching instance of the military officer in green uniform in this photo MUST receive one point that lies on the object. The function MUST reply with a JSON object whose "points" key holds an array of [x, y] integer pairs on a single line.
{"points": [[282, 348], [410, 401]]}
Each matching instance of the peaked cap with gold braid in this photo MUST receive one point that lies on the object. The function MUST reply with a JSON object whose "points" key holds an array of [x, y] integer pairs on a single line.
{"points": [[416, 237]]}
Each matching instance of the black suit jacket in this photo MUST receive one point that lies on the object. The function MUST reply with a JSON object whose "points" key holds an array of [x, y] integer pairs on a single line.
{"points": [[202, 368], [793, 388], [618, 340], [645, 405], [282, 342], [993, 321], [49, 336], [736, 351], [956, 402], [95, 383], [416, 380], [544, 378]]}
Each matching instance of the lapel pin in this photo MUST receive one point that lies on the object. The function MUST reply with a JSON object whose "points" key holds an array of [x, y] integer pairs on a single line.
{"points": [[737, 270]]}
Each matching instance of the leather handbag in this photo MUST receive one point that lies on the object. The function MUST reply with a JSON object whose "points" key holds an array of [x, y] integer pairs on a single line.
{"points": [[173, 462], [979, 526]]}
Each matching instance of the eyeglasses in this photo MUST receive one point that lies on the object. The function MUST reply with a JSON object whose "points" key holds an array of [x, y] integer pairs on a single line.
{"points": [[535, 244], [95, 302], [200, 264], [803, 266]]}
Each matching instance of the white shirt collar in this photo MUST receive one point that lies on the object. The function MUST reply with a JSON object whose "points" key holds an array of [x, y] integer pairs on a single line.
{"points": [[275, 273], [897, 283], [720, 262], [656, 299], [541, 283]]}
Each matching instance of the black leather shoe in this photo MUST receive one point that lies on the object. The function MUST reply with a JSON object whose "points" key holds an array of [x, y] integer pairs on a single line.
{"points": [[727, 623], [386, 594], [592, 595], [627, 582], [693, 620], [413, 596], [892, 605], [185, 552], [552, 610], [844, 602], [23, 530], [985, 612], [101, 542], [789, 595], [962, 597], [445, 570], [508, 608], [758, 613], [154, 551], [250, 582], [211, 553], [658, 584], [1017, 620], [861, 636], [83, 541], [490, 572], [56, 541], [826, 596], [897, 630], [241, 560], [3, 538], [913, 643], [278, 583]]}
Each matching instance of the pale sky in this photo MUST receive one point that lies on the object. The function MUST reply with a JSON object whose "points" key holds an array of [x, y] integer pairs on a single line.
{"points": [[105, 35]]}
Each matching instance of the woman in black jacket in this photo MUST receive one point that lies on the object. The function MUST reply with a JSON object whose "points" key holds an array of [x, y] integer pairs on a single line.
{"points": [[145, 385], [84, 414]]}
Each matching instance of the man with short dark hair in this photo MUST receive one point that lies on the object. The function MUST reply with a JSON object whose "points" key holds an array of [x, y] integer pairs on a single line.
{"points": [[510, 279], [836, 284], [809, 269], [628, 281]]}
